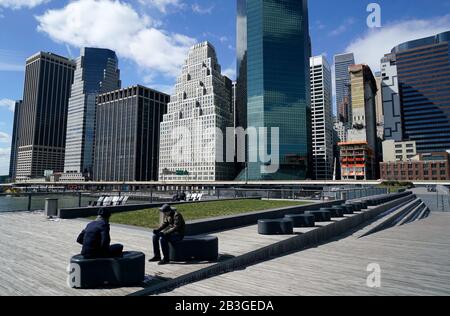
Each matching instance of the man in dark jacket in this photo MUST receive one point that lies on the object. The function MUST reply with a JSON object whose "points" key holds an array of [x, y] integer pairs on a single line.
{"points": [[171, 230], [96, 239]]}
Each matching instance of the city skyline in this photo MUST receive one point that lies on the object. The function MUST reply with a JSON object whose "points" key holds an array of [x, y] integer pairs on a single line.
{"points": [[335, 36]]}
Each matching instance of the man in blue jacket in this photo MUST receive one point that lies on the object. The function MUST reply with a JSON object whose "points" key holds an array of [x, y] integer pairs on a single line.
{"points": [[96, 239]]}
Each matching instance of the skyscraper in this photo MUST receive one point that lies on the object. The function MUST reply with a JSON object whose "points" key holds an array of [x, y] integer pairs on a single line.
{"points": [[359, 155], [96, 72], [127, 136], [423, 68], [278, 49], [379, 107], [390, 92], [322, 118], [191, 145], [241, 71], [343, 97], [15, 140], [43, 119]]}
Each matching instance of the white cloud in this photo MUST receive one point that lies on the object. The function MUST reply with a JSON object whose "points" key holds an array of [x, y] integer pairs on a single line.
{"points": [[163, 5], [230, 73], [11, 60], [19, 4], [8, 103], [196, 8], [343, 27], [371, 47], [5, 138], [116, 25], [5, 154]]}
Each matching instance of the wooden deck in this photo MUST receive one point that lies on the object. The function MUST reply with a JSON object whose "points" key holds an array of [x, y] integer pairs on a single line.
{"points": [[35, 252], [414, 260]]}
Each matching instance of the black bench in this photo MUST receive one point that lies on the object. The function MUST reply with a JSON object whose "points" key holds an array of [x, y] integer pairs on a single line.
{"points": [[127, 270], [346, 209], [302, 220], [195, 248], [358, 206], [275, 227], [334, 212], [351, 208], [320, 216]]}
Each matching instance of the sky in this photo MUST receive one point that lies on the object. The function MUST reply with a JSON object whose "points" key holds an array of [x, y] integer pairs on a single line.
{"points": [[152, 37]]}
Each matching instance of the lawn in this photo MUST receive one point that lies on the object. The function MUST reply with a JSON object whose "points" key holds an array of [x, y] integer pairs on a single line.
{"points": [[150, 217]]}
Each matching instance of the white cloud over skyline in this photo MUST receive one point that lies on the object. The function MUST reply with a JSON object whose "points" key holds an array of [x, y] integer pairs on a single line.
{"points": [[373, 45], [19, 4], [163, 5], [8, 103], [117, 26]]}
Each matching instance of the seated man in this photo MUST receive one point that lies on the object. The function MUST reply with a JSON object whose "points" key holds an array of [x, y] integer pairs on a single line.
{"points": [[172, 230], [96, 239]]}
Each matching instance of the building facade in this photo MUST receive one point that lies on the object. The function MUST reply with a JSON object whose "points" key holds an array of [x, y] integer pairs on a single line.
{"points": [[357, 161], [278, 88], [192, 132], [15, 140], [379, 107], [343, 93], [390, 91], [363, 132], [423, 167], [322, 118], [423, 68], [96, 72], [398, 151], [43, 119], [127, 136]]}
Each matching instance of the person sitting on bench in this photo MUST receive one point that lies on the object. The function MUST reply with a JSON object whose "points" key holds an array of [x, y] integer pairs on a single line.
{"points": [[96, 240], [171, 230]]}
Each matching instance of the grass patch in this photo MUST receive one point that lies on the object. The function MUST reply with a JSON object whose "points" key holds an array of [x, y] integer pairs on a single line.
{"points": [[149, 218]]}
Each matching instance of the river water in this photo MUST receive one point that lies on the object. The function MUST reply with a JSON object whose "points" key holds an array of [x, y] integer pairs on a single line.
{"points": [[20, 203]]}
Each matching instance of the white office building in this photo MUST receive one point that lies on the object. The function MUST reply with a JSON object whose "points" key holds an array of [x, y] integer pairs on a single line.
{"points": [[322, 118], [191, 147]]}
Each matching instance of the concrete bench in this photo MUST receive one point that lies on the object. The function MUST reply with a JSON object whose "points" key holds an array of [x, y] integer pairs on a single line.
{"points": [[302, 220], [275, 227], [127, 270], [195, 248], [320, 216], [334, 212]]}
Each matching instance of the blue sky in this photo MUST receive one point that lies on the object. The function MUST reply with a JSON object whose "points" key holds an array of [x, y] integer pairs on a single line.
{"points": [[152, 36]]}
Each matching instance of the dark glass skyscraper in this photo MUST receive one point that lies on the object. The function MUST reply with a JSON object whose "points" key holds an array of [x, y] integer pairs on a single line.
{"points": [[423, 68], [128, 134], [43, 118], [343, 98], [15, 140], [278, 89], [97, 72]]}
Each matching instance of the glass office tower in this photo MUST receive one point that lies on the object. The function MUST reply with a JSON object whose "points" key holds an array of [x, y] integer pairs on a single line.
{"points": [[97, 72], [423, 68], [278, 88], [342, 76]]}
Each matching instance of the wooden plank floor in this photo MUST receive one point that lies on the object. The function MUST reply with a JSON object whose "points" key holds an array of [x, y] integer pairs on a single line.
{"points": [[414, 260], [34, 253]]}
